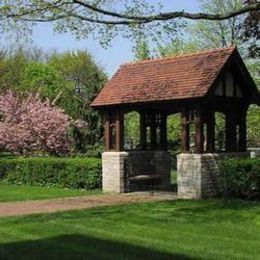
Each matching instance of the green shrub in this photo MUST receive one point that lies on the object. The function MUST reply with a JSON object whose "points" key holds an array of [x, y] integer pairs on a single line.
{"points": [[240, 178], [75, 173]]}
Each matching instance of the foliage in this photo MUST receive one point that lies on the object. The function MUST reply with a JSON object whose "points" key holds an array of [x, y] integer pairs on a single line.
{"points": [[84, 80], [220, 127], [69, 80], [105, 19], [80, 69], [253, 66], [30, 125], [93, 151], [251, 31], [132, 130], [239, 178], [85, 19], [12, 68], [174, 132], [216, 34], [177, 47], [43, 79], [75, 173], [141, 51], [11, 192], [253, 125]]}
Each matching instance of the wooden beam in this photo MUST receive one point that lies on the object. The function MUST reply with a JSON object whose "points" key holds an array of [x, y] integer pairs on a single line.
{"points": [[107, 135], [234, 87], [153, 132], [210, 121], [185, 134], [231, 132], [143, 131], [224, 85], [119, 131], [163, 132], [199, 131], [242, 143]]}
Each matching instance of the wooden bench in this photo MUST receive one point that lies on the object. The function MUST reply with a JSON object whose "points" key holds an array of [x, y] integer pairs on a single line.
{"points": [[141, 174], [145, 177]]}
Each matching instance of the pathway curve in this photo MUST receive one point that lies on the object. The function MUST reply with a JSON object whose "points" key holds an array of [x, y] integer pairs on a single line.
{"points": [[83, 202]]}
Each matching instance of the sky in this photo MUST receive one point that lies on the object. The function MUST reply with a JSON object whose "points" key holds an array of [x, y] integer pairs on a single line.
{"points": [[110, 58]]}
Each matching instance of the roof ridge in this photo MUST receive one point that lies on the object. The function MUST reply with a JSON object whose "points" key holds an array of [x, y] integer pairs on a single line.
{"points": [[205, 51]]}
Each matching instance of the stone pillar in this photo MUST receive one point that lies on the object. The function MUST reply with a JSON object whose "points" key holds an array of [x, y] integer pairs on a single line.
{"points": [[113, 167], [196, 176]]}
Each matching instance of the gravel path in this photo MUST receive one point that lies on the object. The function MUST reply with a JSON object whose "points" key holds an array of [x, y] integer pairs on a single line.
{"points": [[84, 202]]}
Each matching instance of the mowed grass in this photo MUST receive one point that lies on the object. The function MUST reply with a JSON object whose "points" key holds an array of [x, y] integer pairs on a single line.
{"points": [[19, 193], [210, 229]]}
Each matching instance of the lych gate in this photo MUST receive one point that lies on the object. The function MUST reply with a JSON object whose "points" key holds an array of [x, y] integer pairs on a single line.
{"points": [[197, 86]]}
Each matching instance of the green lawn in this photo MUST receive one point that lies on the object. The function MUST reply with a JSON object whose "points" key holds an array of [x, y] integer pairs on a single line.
{"points": [[210, 229], [16, 192]]}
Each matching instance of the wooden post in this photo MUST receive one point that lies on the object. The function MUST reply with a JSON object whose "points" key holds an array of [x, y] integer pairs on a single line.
{"points": [[185, 135], [119, 131], [231, 132], [199, 131], [143, 132], [210, 132], [242, 133], [163, 132], [153, 132], [106, 128]]}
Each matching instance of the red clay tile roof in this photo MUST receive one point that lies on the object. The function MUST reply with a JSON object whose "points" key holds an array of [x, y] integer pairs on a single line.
{"points": [[186, 76]]}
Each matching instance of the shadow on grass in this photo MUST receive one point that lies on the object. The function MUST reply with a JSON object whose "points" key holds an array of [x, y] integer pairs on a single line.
{"points": [[79, 247]]}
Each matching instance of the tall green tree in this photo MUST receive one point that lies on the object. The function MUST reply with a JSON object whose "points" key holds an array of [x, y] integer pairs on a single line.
{"points": [[69, 80], [12, 67], [84, 78], [142, 50], [177, 47], [41, 78], [251, 31]]}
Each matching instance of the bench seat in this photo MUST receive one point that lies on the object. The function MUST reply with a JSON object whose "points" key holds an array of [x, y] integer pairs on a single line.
{"points": [[145, 177]]}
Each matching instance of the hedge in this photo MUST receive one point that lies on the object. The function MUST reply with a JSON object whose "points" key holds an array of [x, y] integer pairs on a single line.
{"points": [[240, 178], [75, 173]]}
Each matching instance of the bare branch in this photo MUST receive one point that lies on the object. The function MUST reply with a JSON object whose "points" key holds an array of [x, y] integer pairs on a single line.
{"points": [[171, 15], [115, 18]]}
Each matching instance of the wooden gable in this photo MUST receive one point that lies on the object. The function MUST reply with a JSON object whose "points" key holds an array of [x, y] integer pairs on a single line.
{"points": [[228, 86], [234, 81]]}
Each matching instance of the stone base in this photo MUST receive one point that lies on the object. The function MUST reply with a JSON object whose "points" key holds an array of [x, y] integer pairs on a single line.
{"points": [[197, 174], [113, 168]]}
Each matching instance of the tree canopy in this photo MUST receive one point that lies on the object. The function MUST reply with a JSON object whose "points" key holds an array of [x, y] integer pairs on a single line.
{"points": [[217, 34], [107, 17], [30, 125], [68, 80]]}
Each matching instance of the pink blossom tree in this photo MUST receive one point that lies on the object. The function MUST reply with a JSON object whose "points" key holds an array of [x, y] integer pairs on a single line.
{"points": [[31, 125]]}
